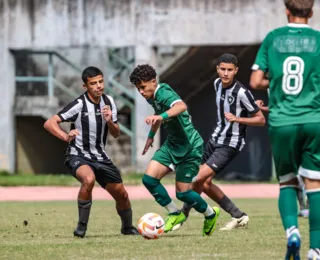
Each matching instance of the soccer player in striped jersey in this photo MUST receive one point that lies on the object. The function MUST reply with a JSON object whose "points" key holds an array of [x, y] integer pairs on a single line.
{"points": [[234, 105], [92, 115]]}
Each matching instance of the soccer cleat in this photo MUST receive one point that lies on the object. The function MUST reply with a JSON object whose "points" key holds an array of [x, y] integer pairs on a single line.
{"points": [[173, 220], [236, 223], [80, 231], [293, 247], [314, 254], [304, 213], [209, 225], [129, 231]]}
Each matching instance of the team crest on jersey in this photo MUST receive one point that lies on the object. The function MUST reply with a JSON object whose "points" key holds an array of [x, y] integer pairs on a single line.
{"points": [[230, 99]]}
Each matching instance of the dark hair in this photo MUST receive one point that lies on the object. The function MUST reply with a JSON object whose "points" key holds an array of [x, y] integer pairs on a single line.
{"points": [[299, 8], [228, 58], [143, 72], [90, 72]]}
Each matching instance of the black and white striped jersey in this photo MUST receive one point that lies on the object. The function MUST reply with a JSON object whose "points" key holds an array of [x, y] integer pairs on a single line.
{"points": [[86, 116], [238, 100]]}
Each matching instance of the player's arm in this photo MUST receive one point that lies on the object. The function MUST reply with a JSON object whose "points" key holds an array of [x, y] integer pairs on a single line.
{"points": [[260, 67], [258, 80], [68, 114], [114, 129], [176, 109], [111, 117], [256, 119], [261, 105], [247, 101], [52, 126], [152, 133]]}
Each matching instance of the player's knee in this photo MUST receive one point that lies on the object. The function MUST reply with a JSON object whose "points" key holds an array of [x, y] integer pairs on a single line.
{"points": [[88, 182], [150, 182], [124, 195], [199, 180]]}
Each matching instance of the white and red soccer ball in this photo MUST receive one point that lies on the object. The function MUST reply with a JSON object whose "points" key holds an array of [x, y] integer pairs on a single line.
{"points": [[151, 226]]}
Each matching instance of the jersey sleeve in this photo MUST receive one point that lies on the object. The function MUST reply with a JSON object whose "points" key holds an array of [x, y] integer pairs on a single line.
{"points": [[247, 99], [168, 97], [261, 62], [114, 110], [71, 111], [215, 84]]}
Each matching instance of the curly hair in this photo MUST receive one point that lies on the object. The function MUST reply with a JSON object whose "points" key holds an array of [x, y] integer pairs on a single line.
{"points": [[143, 72], [299, 8], [228, 58]]}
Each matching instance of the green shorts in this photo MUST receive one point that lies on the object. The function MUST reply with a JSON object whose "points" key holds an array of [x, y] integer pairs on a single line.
{"points": [[296, 150], [186, 168]]}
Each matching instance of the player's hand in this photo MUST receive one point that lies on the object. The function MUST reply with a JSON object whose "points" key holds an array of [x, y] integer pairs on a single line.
{"points": [[261, 105], [230, 117], [72, 135], [107, 113], [152, 120], [148, 144]]}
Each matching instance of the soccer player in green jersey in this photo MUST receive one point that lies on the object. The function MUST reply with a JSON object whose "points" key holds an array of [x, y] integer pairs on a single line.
{"points": [[181, 151], [291, 57]]}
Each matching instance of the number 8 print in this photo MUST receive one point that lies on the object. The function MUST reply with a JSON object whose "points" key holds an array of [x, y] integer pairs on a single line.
{"points": [[293, 68]]}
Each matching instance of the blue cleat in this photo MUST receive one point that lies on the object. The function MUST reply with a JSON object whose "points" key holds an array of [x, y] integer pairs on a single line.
{"points": [[293, 251]]}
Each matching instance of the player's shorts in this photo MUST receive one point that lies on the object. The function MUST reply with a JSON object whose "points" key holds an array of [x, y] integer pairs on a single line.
{"points": [[296, 149], [105, 172], [188, 166], [218, 156]]}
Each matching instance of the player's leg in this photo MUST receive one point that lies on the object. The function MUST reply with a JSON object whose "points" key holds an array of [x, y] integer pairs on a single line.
{"points": [[310, 171], [303, 211], [215, 159], [185, 172], [109, 178], [158, 167], [238, 217], [286, 159], [85, 175]]}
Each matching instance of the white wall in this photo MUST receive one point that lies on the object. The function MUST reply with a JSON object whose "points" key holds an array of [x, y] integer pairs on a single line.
{"points": [[52, 23]]}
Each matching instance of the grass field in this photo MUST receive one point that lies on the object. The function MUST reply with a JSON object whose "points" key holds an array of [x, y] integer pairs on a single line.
{"points": [[48, 234]]}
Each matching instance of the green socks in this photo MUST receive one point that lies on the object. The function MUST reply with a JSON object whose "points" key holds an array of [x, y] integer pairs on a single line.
{"points": [[314, 217], [288, 206], [157, 190]]}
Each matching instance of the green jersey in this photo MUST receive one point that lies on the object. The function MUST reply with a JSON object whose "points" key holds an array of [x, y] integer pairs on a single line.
{"points": [[291, 56], [182, 136]]}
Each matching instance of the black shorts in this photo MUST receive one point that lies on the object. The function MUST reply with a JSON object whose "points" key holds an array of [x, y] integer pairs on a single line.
{"points": [[218, 156], [105, 171]]}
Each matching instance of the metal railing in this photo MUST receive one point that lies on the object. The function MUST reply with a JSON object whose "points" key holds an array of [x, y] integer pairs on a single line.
{"points": [[53, 83]]}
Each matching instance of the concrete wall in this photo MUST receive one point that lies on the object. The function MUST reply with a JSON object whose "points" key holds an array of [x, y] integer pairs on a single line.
{"points": [[52, 23]]}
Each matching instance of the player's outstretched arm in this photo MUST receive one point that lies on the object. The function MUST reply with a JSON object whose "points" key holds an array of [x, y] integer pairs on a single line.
{"points": [[258, 80], [52, 126], [152, 133], [176, 109], [257, 119]]}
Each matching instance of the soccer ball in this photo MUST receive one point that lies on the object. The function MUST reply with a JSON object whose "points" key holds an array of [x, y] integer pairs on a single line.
{"points": [[151, 226]]}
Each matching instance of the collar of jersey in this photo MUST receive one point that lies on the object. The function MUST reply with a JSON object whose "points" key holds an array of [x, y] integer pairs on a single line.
{"points": [[298, 25], [87, 97], [231, 85], [154, 94]]}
